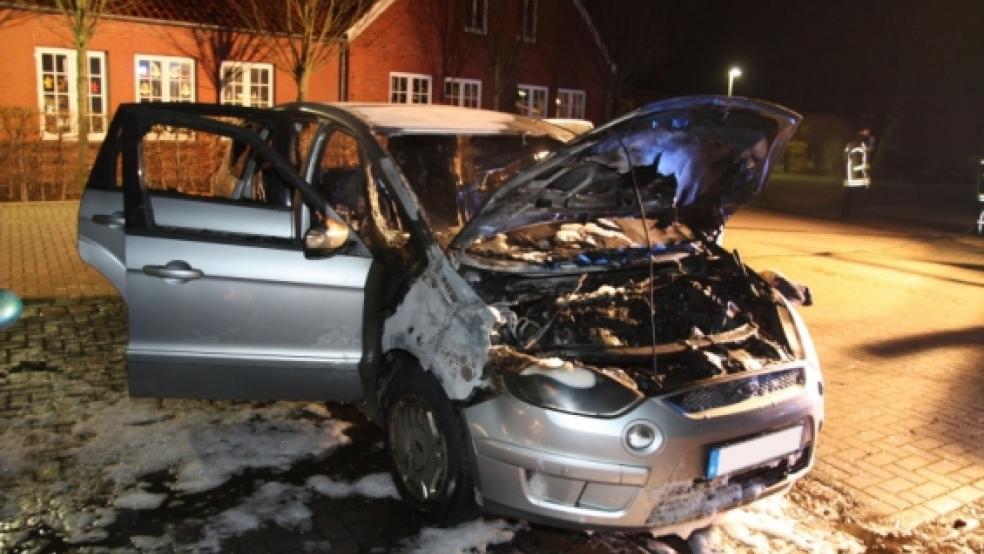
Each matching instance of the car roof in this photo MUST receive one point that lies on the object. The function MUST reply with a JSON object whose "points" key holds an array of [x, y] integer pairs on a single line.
{"points": [[402, 119]]}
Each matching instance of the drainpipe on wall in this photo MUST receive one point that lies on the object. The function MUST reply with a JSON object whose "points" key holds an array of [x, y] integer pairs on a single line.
{"points": [[343, 55]]}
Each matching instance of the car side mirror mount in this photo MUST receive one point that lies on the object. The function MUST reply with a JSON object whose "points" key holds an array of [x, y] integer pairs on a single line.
{"points": [[325, 239]]}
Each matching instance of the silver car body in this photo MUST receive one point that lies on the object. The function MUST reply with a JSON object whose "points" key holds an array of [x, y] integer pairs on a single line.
{"points": [[220, 318]]}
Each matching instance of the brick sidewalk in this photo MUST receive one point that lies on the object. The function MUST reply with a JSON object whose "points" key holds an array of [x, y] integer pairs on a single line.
{"points": [[899, 328], [38, 257]]}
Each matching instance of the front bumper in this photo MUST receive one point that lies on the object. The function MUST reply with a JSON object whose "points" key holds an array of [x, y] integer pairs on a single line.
{"points": [[572, 470]]}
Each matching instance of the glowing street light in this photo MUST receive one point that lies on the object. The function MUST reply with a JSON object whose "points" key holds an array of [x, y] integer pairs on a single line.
{"points": [[733, 73]]}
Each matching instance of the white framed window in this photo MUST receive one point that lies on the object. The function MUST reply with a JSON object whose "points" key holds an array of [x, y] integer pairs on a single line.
{"points": [[97, 94], [476, 16], [409, 88], [531, 100], [463, 92], [570, 103], [164, 78], [527, 20], [247, 84], [58, 92]]}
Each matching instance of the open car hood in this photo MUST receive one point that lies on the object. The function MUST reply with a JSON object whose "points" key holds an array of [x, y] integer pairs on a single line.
{"points": [[694, 160]]}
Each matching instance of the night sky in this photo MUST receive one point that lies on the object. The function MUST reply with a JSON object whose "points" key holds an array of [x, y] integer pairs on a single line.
{"points": [[912, 70]]}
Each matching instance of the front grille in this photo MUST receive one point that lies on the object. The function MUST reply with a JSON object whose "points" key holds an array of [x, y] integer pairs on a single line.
{"points": [[733, 392]]}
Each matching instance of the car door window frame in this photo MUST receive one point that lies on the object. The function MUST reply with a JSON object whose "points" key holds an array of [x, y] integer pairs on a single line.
{"points": [[415, 247], [137, 122]]}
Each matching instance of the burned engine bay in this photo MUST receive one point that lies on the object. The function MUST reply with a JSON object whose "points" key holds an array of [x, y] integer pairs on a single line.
{"points": [[593, 264], [601, 261], [697, 313]]}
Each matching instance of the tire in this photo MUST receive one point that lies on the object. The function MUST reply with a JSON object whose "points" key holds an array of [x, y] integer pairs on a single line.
{"points": [[428, 447]]}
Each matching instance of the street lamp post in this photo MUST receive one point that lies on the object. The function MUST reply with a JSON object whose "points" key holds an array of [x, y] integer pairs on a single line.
{"points": [[733, 73]]}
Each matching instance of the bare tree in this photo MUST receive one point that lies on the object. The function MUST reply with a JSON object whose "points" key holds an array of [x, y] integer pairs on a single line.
{"points": [[307, 31], [633, 35], [439, 28], [503, 51], [213, 46], [81, 17]]}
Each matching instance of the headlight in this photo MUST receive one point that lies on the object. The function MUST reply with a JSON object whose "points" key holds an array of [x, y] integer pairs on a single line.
{"points": [[789, 329], [571, 389], [797, 335]]}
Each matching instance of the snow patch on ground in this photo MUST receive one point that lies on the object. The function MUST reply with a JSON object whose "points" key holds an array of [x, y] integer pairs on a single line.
{"points": [[472, 536], [87, 525], [769, 526], [203, 448], [278, 503], [146, 543], [274, 502], [13, 454], [139, 500], [377, 485], [284, 505], [112, 446]]}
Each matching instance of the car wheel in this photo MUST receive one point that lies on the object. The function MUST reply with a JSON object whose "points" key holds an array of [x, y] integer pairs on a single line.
{"points": [[427, 443]]}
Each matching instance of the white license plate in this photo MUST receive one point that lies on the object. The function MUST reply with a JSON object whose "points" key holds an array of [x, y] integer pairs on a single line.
{"points": [[726, 459]]}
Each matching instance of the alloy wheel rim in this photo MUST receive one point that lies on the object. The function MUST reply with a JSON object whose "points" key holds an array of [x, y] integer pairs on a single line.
{"points": [[418, 448]]}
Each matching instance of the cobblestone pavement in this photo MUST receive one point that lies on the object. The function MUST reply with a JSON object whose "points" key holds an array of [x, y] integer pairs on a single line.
{"points": [[898, 322], [63, 365], [69, 352]]}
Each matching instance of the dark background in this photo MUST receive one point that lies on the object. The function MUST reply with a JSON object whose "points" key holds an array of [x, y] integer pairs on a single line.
{"points": [[911, 70]]}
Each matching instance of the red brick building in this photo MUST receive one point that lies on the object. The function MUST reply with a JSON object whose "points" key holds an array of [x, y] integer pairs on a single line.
{"points": [[449, 51], [538, 57]]}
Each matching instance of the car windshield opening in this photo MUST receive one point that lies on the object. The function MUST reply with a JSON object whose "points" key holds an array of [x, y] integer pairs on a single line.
{"points": [[452, 175]]}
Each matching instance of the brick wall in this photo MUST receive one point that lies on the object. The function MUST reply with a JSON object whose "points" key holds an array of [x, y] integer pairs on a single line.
{"points": [[122, 40], [563, 56], [36, 168], [402, 39]]}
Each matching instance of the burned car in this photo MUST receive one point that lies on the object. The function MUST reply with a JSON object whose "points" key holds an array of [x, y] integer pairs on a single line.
{"points": [[544, 325]]}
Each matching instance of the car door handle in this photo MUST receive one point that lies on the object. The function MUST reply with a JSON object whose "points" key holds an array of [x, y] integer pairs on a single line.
{"points": [[114, 220], [175, 269]]}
